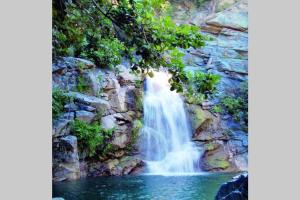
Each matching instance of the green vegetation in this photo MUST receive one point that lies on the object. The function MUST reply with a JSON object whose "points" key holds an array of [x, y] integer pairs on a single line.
{"points": [[201, 86], [105, 31], [199, 2], [237, 105], [92, 137], [216, 109], [82, 84], [59, 100], [218, 163], [137, 125]]}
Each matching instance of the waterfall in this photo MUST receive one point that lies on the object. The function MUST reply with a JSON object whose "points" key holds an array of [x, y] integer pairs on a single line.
{"points": [[166, 137]]}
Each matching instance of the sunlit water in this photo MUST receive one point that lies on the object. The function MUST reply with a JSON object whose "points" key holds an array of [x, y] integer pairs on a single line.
{"points": [[202, 187], [165, 141]]}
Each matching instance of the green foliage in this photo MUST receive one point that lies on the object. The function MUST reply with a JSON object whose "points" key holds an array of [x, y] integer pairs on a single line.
{"points": [[80, 30], [237, 105], [201, 86], [137, 125], [138, 95], [218, 163], [199, 2], [140, 29], [59, 100], [216, 109], [82, 84], [91, 137], [108, 149]]}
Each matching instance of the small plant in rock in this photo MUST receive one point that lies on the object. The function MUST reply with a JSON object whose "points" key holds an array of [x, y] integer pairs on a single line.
{"points": [[137, 125], [216, 109], [59, 100], [82, 84], [237, 105], [201, 86], [91, 137]]}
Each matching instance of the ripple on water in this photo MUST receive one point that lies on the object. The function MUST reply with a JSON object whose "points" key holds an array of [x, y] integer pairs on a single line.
{"points": [[202, 187]]}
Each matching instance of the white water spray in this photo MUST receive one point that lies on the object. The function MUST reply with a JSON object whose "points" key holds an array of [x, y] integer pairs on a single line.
{"points": [[165, 141]]}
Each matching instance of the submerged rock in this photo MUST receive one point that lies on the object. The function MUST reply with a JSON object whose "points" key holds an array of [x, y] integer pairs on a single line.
{"points": [[236, 189]]}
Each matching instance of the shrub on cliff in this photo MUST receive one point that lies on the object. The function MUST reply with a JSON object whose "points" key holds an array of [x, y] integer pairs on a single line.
{"points": [[59, 99], [201, 86], [91, 137], [237, 104]]}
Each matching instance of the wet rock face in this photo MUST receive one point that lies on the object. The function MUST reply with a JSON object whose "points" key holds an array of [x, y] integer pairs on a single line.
{"points": [[65, 159], [110, 99], [236, 189], [224, 141]]}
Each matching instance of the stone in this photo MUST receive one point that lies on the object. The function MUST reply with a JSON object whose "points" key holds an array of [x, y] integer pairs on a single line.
{"points": [[120, 140], [236, 189], [71, 107], [69, 63], [125, 77], [65, 162], [216, 160], [108, 122], [98, 103], [117, 99], [60, 126], [197, 115], [95, 79], [209, 130], [85, 116], [224, 4], [233, 65], [234, 18], [85, 107], [206, 105], [129, 164], [119, 154]]}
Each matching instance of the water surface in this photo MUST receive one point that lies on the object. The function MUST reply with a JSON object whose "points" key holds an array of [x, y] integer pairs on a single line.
{"points": [[201, 187]]}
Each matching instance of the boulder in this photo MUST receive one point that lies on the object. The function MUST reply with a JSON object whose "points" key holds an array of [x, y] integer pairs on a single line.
{"points": [[64, 63], [235, 17], [129, 164], [65, 164], [236, 189], [120, 139], [125, 77], [85, 116], [60, 126], [197, 115], [108, 122], [98, 103], [216, 157], [117, 99], [95, 79]]}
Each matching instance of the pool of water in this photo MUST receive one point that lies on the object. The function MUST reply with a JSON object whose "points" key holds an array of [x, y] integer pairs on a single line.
{"points": [[200, 187]]}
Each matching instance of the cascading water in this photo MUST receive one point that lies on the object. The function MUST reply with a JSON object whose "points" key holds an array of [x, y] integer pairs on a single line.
{"points": [[165, 143]]}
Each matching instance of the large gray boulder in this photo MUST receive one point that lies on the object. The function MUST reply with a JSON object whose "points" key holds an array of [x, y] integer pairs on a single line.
{"points": [[86, 116], [101, 105]]}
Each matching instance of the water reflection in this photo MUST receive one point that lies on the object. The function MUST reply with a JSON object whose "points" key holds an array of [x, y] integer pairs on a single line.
{"points": [[202, 187]]}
